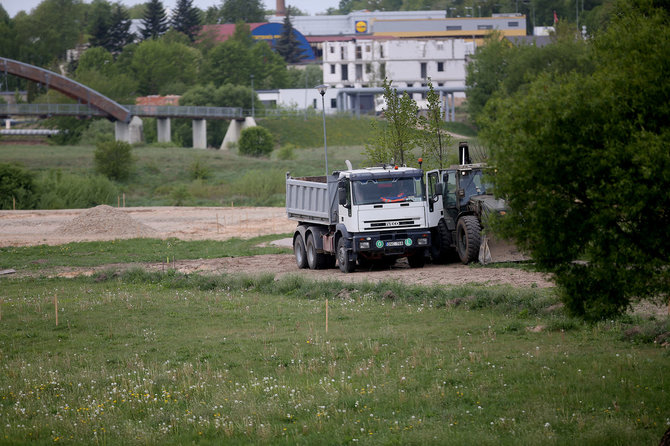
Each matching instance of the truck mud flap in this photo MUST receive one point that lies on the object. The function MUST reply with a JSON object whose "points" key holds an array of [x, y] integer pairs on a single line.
{"points": [[494, 250]]}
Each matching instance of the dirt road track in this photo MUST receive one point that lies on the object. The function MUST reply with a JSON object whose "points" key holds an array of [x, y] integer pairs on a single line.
{"points": [[25, 228]]}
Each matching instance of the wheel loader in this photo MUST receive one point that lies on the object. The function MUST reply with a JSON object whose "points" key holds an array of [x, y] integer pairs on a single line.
{"points": [[460, 204]]}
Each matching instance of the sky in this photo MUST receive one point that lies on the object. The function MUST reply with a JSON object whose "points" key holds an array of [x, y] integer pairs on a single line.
{"points": [[311, 7]]}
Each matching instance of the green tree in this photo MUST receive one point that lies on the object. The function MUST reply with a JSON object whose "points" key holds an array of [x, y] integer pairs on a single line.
{"points": [[307, 77], [157, 64], [113, 159], [154, 21], [100, 13], [249, 11], [288, 45], [434, 138], [17, 187], [395, 141], [256, 141], [119, 29], [186, 19], [97, 70], [583, 160]]}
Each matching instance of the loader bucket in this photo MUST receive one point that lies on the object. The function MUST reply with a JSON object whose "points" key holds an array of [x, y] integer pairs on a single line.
{"points": [[494, 250]]}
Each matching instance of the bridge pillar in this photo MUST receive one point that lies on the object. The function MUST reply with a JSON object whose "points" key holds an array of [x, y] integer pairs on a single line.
{"points": [[199, 134], [131, 133], [122, 131], [164, 133], [235, 131]]}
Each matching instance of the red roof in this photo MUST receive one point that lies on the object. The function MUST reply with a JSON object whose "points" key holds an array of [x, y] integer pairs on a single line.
{"points": [[221, 33]]}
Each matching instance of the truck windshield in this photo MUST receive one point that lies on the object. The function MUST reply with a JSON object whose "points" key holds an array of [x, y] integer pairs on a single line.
{"points": [[387, 190]]}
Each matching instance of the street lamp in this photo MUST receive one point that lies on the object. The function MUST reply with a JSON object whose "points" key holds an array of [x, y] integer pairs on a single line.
{"points": [[253, 114], [322, 91]]}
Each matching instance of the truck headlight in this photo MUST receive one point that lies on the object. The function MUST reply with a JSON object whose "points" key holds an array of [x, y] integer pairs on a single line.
{"points": [[422, 241], [364, 245]]}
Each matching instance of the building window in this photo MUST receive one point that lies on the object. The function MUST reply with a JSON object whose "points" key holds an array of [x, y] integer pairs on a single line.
{"points": [[359, 72], [424, 70], [342, 52], [345, 72], [454, 27], [440, 66], [484, 27], [381, 51], [359, 52], [332, 68], [333, 103], [368, 68], [367, 48], [513, 24], [314, 103], [332, 49], [382, 70]]}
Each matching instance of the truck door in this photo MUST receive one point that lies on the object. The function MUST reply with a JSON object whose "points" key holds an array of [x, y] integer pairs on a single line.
{"points": [[449, 197], [435, 207]]}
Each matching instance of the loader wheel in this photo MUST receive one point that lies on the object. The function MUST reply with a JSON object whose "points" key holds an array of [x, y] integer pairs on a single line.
{"points": [[346, 265], [315, 260], [299, 251], [468, 238], [441, 250]]}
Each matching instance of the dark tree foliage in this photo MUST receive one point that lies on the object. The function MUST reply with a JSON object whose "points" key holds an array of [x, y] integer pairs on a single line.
{"points": [[154, 21], [583, 159], [249, 11], [119, 29], [100, 23], [186, 19], [288, 45], [17, 187], [256, 141]]}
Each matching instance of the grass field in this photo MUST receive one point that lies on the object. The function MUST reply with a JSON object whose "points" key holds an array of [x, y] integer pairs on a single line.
{"points": [[169, 359]]}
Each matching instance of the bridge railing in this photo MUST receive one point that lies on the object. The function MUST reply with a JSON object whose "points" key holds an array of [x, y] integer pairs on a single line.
{"points": [[164, 111], [181, 111], [50, 109]]}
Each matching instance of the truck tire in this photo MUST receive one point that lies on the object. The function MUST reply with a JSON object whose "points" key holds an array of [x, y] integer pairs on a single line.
{"points": [[346, 266], [468, 238], [316, 260], [416, 260], [299, 251]]}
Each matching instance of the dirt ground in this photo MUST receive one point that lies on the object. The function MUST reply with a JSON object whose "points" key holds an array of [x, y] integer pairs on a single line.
{"points": [[26, 228]]}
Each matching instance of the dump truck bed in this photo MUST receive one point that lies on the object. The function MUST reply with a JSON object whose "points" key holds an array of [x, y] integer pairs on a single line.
{"points": [[311, 199]]}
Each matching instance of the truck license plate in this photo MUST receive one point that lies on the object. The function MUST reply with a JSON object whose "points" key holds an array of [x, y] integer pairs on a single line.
{"points": [[396, 243]]}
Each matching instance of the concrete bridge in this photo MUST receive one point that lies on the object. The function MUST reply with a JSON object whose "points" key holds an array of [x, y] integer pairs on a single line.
{"points": [[91, 103]]}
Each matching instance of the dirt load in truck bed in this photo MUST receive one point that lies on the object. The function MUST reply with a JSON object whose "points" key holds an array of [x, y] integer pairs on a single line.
{"points": [[27, 228]]}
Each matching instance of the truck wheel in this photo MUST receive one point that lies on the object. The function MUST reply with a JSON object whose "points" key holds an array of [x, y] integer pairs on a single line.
{"points": [[416, 260], [314, 259], [346, 266], [468, 238], [299, 251]]}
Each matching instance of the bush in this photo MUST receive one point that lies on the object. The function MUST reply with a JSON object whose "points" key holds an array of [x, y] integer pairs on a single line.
{"points": [[98, 131], [69, 191], [286, 152], [199, 170], [17, 187], [114, 159], [256, 141]]}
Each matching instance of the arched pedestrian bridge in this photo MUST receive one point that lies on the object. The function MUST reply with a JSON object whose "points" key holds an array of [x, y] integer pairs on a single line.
{"points": [[92, 103]]}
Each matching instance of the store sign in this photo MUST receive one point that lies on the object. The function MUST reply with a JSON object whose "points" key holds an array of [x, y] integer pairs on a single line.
{"points": [[361, 26]]}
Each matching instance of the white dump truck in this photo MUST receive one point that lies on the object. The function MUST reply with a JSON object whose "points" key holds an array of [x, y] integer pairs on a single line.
{"points": [[359, 216]]}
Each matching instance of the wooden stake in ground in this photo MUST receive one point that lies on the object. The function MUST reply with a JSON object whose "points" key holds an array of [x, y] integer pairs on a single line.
{"points": [[124, 199], [56, 307], [326, 315], [217, 223]]}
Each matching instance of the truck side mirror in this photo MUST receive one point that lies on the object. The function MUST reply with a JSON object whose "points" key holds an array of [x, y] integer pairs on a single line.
{"points": [[439, 189], [461, 193], [342, 197]]}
